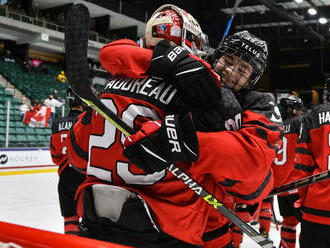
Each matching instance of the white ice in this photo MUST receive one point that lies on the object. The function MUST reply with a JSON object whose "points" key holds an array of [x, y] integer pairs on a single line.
{"points": [[32, 200]]}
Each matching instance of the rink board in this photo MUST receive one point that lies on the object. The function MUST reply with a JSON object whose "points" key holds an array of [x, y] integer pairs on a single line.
{"points": [[15, 161]]}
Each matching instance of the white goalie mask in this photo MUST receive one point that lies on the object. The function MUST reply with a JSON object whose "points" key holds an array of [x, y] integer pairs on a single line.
{"points": [[177, 26]]}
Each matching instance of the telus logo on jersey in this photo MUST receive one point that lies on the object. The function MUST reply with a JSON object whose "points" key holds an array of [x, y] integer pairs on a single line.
{"points": [[149, 87], [171, 133]]}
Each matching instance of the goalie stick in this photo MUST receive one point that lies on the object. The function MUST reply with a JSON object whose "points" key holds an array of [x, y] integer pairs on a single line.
{"points": [[76, 45], [300, 183]]}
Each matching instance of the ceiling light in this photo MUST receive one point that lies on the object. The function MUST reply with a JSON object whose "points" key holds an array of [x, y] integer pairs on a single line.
{"points": [[299, 1], [323, 20], [312, 11]]}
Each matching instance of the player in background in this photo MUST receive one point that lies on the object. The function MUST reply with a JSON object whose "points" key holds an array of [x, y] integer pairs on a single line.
{"points": [[283, 166], [69, 178], [240, 60], [312, 157], [167, 212]]}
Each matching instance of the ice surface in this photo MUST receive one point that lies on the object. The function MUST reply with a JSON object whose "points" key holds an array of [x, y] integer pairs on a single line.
{"points": [[32, 200]]}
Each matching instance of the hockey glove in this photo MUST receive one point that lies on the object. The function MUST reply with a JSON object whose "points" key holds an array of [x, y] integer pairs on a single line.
{"points": [[157, 145], [198, 85]]}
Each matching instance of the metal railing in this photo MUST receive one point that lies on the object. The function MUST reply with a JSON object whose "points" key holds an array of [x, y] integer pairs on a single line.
{"points": [[4, 11]]}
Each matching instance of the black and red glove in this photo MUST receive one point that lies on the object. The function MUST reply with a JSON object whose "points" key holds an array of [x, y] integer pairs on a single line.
{"points": [[198, 85], [159, 144]]}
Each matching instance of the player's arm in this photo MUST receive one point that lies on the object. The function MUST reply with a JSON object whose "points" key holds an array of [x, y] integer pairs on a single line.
{"points": [[304, 162], [125, 58], [239, 161], [56, 149], [78, 141]]}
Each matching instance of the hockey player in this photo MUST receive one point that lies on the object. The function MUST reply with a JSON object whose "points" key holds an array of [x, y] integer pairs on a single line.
{"points": [[265, 105], [240, 60], [312, 157], [69, 178], [176, 211], [283, 167]]}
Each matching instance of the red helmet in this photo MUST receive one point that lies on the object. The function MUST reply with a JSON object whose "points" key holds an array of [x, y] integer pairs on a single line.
{"points": [[177, 26]]}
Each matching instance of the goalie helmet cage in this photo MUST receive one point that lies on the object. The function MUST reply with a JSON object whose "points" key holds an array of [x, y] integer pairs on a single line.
{"points": [[17, 236]]}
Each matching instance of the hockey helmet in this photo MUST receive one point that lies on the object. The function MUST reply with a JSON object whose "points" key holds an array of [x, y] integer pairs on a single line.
{"points": [[290, 104], [177, 26], [247, 47]]}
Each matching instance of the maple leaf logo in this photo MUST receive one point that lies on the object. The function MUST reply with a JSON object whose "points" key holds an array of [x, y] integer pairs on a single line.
{"points": [[39, 117]]}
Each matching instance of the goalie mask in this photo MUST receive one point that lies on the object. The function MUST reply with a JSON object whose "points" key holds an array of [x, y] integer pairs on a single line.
{"points": [[240, 60], [177, 26], [291, 106]]}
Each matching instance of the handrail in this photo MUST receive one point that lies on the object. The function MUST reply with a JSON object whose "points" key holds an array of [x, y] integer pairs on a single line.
{"points": [[4, 11]]}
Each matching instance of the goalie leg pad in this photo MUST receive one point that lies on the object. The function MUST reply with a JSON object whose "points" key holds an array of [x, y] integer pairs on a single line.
{"points": [[120, 207]]}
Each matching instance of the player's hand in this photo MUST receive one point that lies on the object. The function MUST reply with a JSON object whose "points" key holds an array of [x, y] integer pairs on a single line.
{"points": [[198, 85], [158, 144]]}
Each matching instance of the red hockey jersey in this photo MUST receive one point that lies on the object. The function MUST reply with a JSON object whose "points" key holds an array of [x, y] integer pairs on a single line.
{"points": [[226, 158], [283, 164], [60, 132], [312, 157], [125, 57]]}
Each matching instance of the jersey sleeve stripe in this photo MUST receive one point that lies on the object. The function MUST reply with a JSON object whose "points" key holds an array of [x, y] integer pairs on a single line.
{"points": [[211, 235], [228, 183], [303, 151], [255, 194], [318, 212], [303, 167], [77, 149], [54, 156], [260, 123]]}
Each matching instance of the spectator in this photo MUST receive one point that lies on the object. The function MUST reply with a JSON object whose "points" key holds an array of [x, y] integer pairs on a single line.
{"points": [[61, 77], [22, 109], [25, 66], [8, 57], [53, 103]]}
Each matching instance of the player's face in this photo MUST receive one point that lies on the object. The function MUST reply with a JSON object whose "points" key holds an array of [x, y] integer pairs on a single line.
{"points": [[234, 71]]}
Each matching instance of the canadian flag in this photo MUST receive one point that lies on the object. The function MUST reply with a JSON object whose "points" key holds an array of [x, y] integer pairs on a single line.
{"points": [[38, 117]]}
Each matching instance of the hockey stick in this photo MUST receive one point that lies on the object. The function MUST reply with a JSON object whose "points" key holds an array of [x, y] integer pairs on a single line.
{"points": [[233, 13], [274, 216], [76, 43], [300, 183]]}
